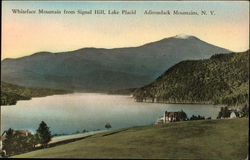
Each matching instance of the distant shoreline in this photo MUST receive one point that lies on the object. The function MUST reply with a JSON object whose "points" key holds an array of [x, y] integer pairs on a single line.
{"points": [[123, 92], [191, 103]]}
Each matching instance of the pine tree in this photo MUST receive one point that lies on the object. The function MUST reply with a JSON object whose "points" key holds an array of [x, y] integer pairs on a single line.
{"points": [[108, 125], [44, 134]]}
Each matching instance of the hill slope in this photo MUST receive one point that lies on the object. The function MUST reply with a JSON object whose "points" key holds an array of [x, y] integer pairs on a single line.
{"points": [[11, 93], [98, 69], [204, 139], [221, 79]]}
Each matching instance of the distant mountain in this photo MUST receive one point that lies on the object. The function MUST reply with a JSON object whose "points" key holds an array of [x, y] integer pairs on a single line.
{"points": [[98, 69], [11, 93], [222, 79]]}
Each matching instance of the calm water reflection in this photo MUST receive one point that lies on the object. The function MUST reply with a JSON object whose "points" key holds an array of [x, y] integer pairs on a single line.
{"points": [[72, 112]]}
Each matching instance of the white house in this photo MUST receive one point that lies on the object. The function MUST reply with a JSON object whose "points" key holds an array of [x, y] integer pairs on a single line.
{"points": [[170, 117], [160, 120], [233, 115]]}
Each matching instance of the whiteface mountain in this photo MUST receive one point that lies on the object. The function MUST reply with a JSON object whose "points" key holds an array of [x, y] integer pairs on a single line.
{"points": [[99, 69]]}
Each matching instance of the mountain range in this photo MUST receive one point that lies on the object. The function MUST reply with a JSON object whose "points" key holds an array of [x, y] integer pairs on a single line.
{"points": [[99, 69]]}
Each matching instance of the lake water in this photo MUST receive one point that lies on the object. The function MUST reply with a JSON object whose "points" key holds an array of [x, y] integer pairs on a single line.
{"points": [[71, 112]]}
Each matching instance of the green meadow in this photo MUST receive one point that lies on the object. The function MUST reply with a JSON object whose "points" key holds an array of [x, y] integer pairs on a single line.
{"points": [[202, 139]]}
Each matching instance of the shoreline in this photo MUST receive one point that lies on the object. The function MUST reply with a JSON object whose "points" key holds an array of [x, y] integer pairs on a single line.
{"points": [[166, 102], [72, 137], [128, 95], [193, 103]]}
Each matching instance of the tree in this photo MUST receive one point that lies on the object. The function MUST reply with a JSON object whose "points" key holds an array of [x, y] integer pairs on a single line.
{"points": [[182, 115], [245, 111], [224, 112], [31, 141], [107, 125], [15, 143], [44, 134], [199, 117], [166, 112], [84, 130], [9, 144]]}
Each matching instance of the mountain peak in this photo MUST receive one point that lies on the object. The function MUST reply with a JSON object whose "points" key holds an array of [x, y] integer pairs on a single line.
{"points": [[184, 36], [42, 53]]}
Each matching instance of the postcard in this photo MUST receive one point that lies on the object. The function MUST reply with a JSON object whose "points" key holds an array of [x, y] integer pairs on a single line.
{"points": [[125, 79]]}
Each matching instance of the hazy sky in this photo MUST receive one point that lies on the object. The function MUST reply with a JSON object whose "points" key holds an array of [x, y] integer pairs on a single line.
{"points": [[25, 34]]}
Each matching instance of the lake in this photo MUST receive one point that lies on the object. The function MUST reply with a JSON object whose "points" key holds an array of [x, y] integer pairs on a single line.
{"points": [[90, 111]]}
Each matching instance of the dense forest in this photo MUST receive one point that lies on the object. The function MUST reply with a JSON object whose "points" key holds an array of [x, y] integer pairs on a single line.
{"points": [[11, 93], [222, 79]]}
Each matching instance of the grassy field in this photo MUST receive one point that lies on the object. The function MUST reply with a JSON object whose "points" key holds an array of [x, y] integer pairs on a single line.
{"points": [[204, 139]]}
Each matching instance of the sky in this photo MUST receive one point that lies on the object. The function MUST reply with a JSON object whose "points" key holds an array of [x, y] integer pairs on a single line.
{"points": [[25, 34]]}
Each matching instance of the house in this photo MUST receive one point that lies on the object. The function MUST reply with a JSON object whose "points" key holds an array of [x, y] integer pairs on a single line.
{"points": [[233, 115], [22, 133], [160, 120], [16, 133], [172, 117]]}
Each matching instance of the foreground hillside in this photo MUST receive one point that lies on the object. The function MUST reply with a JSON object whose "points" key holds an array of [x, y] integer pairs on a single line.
{"points": [[101, 70], [221, 79], [11, 93], [204, 139]]}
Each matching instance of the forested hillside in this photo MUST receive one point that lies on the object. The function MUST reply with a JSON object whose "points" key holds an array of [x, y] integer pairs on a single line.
{"points": [[11, 93], [222, 79]]}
